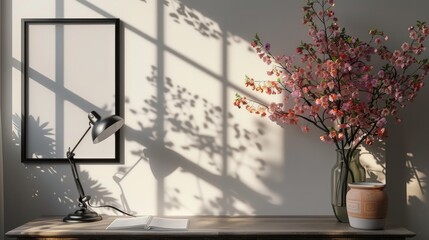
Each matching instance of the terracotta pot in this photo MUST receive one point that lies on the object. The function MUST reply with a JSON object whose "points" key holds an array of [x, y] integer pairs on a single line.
{"points": [[366, 205]]}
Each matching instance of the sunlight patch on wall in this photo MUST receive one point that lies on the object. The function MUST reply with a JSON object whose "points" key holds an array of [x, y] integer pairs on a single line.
{"points": [[193, 36], [80, 67], [193, 125], [48, 39], [254, 142], [139, 15], [141, 73], [194, 93], [372, 158], [137, 188], [417, 182], [242, 61], [189, 193]]}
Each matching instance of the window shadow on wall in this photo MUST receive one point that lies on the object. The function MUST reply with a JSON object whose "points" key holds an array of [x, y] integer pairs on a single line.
{"points": [[151, 138], [180, 120], [166, 108], [169, 108]]}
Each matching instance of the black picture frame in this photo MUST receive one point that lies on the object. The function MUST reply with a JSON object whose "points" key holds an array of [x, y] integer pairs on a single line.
{"points": [[40, 140]]}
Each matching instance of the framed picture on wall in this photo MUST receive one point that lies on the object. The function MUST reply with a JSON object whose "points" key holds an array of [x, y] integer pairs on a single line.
{"points": [[70, 67]]}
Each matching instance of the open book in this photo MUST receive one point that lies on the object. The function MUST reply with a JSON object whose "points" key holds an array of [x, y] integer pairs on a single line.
{"points": [[149, 222]]}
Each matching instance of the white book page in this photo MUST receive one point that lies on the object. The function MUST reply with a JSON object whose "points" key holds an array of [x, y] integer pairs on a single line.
{"points": [[169, 223], [141, 222]]}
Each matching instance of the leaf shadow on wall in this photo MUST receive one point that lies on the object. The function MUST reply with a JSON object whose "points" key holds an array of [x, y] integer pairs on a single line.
{"points": [[415, 173], [45, 145], [192, 117], [181, 13], [48, 184], [407, 187]]}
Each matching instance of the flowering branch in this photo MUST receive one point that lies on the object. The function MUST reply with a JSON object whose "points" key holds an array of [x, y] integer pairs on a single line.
{"points": [[334, 87]]}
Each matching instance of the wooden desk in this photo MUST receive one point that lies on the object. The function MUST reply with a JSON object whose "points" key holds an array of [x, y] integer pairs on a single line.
{"points": [[210, 228]]}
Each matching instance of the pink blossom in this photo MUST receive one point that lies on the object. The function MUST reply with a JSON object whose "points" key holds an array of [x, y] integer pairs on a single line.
{"points": [[332, 97], [340, 136], [381, 122], [377, 40], [369, 140], [312, 32], [293, 121], [320, 34], [347, 67], [425, 31], [315, 109], [381, 132], [413, 35], [318, 101], [405, 46], [347, 106], [324, 138], [285, 99], [400, 62], [273, 107], [305, 128], [333, 83], [295, 76], [296, 94], [396, 54], [398, 120]]}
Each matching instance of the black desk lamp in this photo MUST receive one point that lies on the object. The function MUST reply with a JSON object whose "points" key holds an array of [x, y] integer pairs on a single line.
{"points": [[101, 129]]}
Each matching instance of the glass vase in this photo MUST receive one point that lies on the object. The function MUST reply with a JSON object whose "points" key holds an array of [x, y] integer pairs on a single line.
{"points": [[340, 179]]}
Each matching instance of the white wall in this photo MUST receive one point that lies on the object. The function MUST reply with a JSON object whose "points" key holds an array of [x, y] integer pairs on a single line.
{"points": [[1, 153], [187, 150]]}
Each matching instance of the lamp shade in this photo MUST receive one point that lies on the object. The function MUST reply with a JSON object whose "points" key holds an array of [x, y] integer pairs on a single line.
{"points": [[104, 127]]}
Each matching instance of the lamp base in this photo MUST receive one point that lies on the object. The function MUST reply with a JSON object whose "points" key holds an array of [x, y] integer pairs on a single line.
{"points": [[82, 215]]}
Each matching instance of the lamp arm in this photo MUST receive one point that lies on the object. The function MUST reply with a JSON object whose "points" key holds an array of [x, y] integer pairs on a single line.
{"points": [[70, 157], [80, 140], [82, 197]]}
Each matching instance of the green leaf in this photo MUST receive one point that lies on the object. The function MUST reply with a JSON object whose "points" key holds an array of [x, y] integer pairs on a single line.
{"points": [[349, 40], [257, 38], [420, 24]]}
